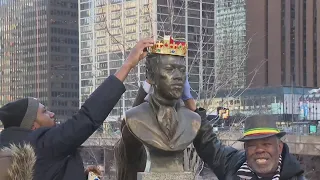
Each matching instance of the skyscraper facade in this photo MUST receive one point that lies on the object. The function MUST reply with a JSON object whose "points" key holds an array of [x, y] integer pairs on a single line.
{"points": [[39, 53], [230, 44], [108, 29], [284, 34], [194, 22]]}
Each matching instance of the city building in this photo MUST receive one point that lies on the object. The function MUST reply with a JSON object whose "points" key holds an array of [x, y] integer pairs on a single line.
{"points": [[267, 43], [284, 35], [108, 29], [231, 44], [280, 56], [289, 104], [39, 53]]}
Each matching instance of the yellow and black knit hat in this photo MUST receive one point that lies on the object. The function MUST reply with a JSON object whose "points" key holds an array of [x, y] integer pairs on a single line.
{"points": [[259, 127]]}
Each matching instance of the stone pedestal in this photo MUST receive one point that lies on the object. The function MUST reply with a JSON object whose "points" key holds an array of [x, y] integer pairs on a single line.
{"points": [[165, 176]]}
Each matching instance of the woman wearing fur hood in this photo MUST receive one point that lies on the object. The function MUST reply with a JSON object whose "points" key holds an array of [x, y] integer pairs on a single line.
{"points": [[17, 162]]}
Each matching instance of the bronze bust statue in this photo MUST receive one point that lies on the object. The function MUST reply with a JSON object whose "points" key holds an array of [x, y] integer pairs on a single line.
{"points": [[155, 133]]}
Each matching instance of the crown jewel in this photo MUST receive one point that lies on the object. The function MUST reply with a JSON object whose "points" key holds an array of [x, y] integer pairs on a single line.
{"points": [[170, 47]]}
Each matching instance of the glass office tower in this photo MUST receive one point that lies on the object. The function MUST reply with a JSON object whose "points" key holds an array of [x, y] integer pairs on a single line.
{"points": [[39, 53]]}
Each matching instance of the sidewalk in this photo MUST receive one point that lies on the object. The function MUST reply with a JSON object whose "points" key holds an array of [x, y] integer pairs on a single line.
{"points": [[207, 178]]}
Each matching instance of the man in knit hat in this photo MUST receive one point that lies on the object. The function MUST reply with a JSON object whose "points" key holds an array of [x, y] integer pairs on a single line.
{"points": [[22, 115], [27, 120]]}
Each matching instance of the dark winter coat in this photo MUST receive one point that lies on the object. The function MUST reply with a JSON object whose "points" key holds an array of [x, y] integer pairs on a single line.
{"points": [[56, 147], [225, 161]]}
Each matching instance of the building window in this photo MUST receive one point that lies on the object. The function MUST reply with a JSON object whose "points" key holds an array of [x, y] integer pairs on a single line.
{"points": [[315, 54], [283, 43], [266, 29], [266, 43], [292, 42], [304, 60]]}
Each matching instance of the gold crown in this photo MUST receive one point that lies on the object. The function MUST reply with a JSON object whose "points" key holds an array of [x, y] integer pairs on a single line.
{"points": [[170, 47]]}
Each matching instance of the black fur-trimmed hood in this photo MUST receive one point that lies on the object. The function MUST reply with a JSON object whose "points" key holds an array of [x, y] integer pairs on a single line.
{"points": [[17, 162]]}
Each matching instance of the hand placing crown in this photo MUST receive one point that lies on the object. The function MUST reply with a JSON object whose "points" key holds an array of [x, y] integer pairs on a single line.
{"points": [[169, 46]]}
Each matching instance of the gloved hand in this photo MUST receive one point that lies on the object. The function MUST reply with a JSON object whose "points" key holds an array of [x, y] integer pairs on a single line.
{"points": [[186, 91], [146, 86], [203, 114]]}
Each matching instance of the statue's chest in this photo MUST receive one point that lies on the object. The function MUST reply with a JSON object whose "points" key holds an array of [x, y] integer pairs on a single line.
{"points": [[162, 161], [148, 130]]}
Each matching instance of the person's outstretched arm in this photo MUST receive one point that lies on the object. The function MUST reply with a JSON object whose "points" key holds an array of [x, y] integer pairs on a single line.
{"points": [[65, 138], [220, 158]]}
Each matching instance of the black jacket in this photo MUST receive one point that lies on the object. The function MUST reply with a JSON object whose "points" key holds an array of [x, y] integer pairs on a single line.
{"points": [[56, 147], [225, 161]]}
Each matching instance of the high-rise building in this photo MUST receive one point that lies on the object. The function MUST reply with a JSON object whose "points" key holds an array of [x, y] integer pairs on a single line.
{"points": [[108, 29], [230, 45], [285, 35], [39, 53]]}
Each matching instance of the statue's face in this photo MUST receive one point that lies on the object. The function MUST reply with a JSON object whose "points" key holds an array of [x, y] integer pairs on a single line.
{"points": [[170, 77]]}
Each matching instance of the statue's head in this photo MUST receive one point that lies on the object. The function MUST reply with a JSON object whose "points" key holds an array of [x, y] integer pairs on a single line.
{"points": [[167, 74]]}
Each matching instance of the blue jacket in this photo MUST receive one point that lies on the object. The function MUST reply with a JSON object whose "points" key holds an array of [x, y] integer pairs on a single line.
{"points": [[56, 147]]}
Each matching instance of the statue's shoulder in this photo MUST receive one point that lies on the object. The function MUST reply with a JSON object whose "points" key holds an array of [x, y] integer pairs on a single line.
{"points": [[142, 123], [136, 111], [190, 120], [140, 114], [193, 115]]}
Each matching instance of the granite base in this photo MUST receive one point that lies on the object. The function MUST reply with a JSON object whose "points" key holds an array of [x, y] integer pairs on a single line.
{"points": [[165, 176]]}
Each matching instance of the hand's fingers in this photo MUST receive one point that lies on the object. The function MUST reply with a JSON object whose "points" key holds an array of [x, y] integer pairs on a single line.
{"points": [[146, 45], [143, 55], [150, 40], [143, 47], [149, 44], [96, 172], [99, 171], [147, 40]]}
